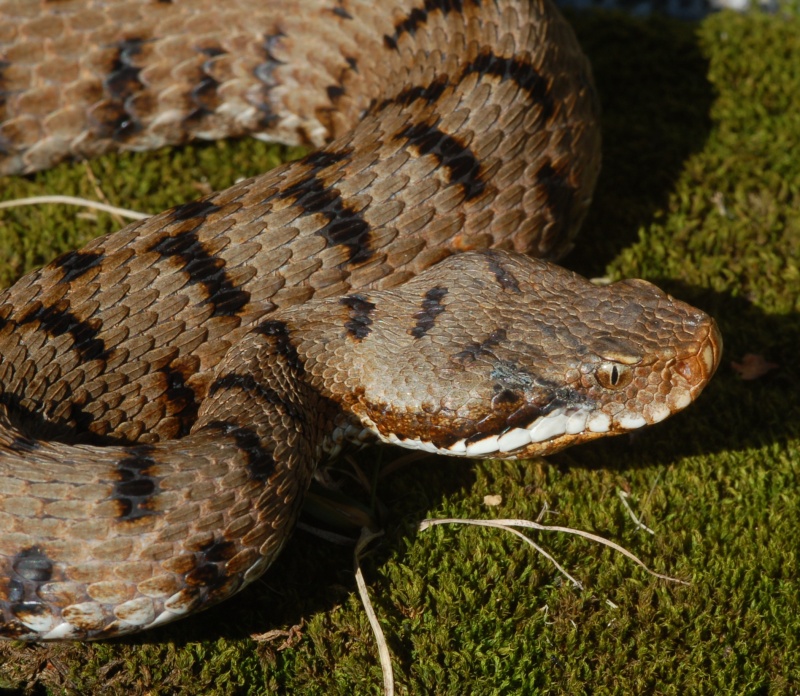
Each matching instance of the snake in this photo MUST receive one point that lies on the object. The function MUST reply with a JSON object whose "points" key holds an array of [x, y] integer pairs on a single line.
{"points": [[168, 391]]}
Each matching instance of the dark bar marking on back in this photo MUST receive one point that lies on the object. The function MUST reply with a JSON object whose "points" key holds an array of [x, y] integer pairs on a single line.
{"points": [[279, 332], [182, 398], [524, 74], [122, 82], [432, 307], [461, 162], [339, 11], [202, 267], [260, 462], [344, 226], [263, 72], [358, 325], [58, 320], [75, 263], [429, 93], [418, 16], [250, 385], [204, 94], [560, 196]]}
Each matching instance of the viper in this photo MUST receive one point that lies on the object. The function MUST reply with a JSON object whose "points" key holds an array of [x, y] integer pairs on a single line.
{"points": [[167, 392]]}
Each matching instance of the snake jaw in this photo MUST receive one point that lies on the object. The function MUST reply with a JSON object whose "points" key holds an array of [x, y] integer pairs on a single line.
{"points": [[564, 362]]}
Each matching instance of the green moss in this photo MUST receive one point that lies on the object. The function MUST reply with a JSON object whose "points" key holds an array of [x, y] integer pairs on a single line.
{"points": [[699, 193]]}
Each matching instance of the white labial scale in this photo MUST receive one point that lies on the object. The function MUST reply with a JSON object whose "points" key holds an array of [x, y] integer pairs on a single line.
{"points": [[679, 398], [61, 632], [85, 615], [598, 422], [352, 433], [178, 603], [365, 435], [577, 422], [459, 447], [413, 444], [550, 426], [514, 439], [122, 628], [41, 623], [485, 446], [136, 612], [659, 412], [164, 617], [630, 421]]}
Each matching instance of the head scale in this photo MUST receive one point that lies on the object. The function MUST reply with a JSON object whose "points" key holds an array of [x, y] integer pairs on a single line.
{"points": [[497, 354]]}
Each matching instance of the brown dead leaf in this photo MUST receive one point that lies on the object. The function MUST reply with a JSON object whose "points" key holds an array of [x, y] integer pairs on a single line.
{"points": [[753, 366]]}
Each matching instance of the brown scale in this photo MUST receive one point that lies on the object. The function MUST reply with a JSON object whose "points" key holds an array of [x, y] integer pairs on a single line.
{"points": [[167, 391]]}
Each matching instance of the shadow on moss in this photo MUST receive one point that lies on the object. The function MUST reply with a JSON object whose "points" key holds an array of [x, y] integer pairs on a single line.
{"points": [[656, 99]]}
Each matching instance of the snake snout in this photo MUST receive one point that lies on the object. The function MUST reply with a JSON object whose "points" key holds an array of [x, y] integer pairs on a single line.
{"points": [[698, 368]]}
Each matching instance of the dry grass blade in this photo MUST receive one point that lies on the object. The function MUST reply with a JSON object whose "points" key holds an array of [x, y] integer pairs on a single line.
{"points": [[623, 496], [74, 200], [504, 524], [383, 649]]}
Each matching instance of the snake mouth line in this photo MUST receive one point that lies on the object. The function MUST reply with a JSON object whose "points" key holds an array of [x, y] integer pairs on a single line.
{"points": [[558, 423], [580, 423]]}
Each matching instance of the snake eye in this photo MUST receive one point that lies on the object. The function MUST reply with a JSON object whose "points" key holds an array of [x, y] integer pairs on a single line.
{"points": [[612, 375]]}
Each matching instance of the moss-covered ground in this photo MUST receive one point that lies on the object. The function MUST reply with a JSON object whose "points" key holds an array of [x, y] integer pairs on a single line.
{"points": [[700, 193]]}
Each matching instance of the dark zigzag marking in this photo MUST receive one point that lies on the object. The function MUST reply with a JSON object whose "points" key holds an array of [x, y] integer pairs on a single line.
{"points": [[4, 64], [283, 342], [200, 208], [182, 397], [263, 73], [464, 167], [57, 320], [260, 463], [334, 92], [204, 94], [202, 267], [472, 352], [487, 63], [429, 93], [524, 74], [506, 278], [341, 12], [249, 384], [75, 263], [419, 16], [344, 226]]}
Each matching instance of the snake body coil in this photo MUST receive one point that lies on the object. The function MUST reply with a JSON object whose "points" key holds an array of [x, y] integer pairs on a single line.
{"points": [[167, 391]]}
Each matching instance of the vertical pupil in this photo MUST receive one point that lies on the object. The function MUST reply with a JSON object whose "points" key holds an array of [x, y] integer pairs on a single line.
{"points": [[614, 375]]}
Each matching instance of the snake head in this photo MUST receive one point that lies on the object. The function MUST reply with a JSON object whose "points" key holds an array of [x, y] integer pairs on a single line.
{"points": [[497, 354]]}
